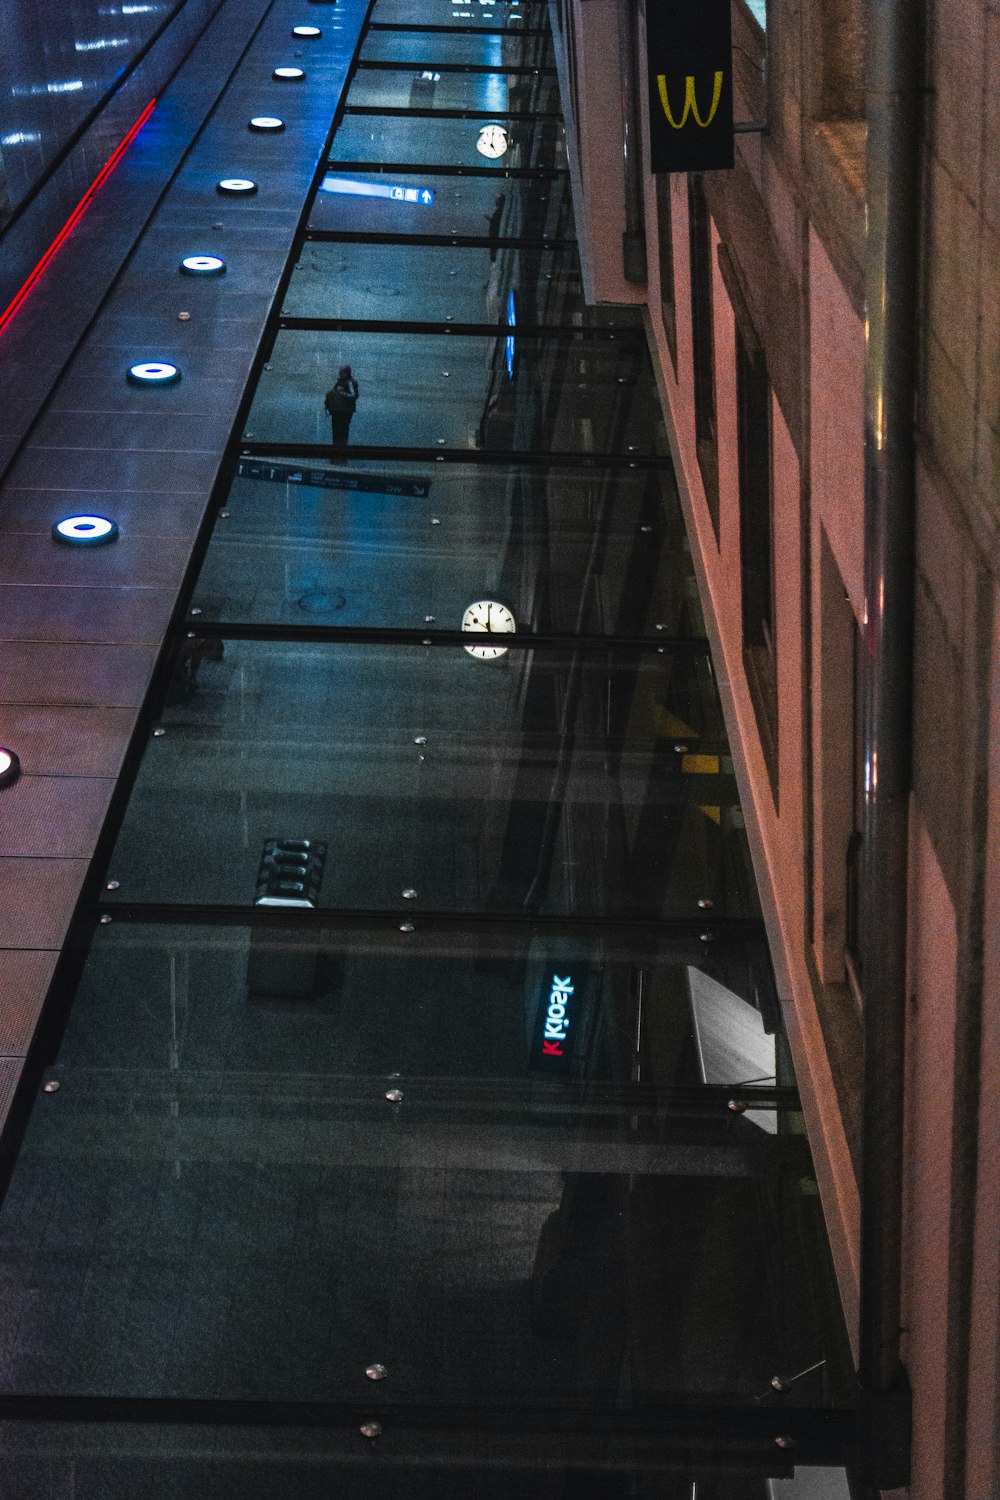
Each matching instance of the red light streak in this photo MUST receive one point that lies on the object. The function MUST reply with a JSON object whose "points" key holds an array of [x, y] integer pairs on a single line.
{"points": [[14, 305]]}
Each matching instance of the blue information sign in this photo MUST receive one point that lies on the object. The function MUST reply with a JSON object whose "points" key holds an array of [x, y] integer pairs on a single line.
{"points": [[394, 190]]}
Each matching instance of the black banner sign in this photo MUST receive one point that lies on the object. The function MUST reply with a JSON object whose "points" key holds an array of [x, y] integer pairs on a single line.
{"points": [[689, 49], [372, 484]]}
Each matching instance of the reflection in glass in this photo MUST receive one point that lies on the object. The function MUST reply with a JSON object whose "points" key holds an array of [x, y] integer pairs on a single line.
{"points": [[494, 15], [205, 1000], [432, 283], [203, 1462], [554, 394], [370, 138], [552, 781], [425, 89], [585, 551], [471, 205], [246, 1217], [513, 48]]}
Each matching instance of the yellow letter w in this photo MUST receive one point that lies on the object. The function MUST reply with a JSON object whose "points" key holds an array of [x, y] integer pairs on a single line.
{"points": [[690, 101]]}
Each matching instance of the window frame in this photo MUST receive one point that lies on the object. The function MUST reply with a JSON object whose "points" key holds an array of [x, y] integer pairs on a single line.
{"points": [[703, 344]]}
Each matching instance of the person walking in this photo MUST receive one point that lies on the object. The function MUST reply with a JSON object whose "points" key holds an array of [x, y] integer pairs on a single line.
{"points": [[340, 403]]}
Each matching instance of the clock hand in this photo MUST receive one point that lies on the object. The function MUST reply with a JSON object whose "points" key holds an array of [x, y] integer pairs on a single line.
{"points": [[489, 616]]}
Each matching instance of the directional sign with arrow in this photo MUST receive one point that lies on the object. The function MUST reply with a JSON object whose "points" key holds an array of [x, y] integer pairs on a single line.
{"points": [[353, 188]]}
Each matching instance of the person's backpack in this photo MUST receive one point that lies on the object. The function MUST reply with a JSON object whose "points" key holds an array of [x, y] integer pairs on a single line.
{"points": [[340, 403]]}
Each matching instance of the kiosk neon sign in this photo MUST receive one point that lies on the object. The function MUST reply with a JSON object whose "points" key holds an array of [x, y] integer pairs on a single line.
{"points": [[556, 1026], [560, 1017]]}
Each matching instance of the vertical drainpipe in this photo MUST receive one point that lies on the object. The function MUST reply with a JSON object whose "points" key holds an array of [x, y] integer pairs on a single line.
{"points": [[893, 103], [634, 237]]}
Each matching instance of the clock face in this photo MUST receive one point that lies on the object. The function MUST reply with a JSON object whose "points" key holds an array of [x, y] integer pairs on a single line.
{"points": [[489, 617], [492, 141]]}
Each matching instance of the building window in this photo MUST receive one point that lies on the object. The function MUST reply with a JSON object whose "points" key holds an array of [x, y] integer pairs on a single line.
{"points": [[858, 807], [703, 338], [665, 235], [753, 402]]}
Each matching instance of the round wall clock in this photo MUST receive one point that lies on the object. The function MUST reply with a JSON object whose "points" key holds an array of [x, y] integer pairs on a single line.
{"points": [[488, 617], [492, 142]]}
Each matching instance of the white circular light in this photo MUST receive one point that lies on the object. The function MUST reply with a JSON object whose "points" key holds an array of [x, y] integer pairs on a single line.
{"points": [[10, 766], [85, 531], [154, 372], [310, 31], [202, 265], [266, 122], [238, 187], [289, 75]]}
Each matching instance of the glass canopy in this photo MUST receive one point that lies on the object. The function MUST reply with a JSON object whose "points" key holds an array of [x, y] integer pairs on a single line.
{"points": [[421, 1118]]}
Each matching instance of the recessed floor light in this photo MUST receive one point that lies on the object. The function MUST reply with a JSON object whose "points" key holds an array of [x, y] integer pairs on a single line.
{"points": [[10, 767], [289, 75], [308, 31], [154, 372], [266, 123], [85, 531], [236, 187], [203, 265]]}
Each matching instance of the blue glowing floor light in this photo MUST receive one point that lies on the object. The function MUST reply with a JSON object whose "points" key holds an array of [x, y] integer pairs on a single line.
{"points": [[10, 766], [236, 187], [84, 531], [154, 372], [203, 265]]}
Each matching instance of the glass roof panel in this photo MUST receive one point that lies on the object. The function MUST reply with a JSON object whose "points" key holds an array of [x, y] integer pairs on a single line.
{"points": [[501, 145], [509, 16], [475, 204], [479, 1075], [425, 88], [580, 551], [505, 392], [203, 1461], [433, 283], [550, 779], [221, 1201], [452, 48]]}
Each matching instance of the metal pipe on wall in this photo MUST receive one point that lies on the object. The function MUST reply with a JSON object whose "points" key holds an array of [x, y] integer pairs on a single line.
{"points": [[893, 105]]}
